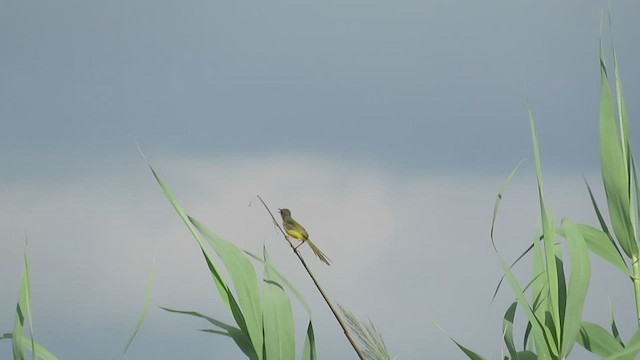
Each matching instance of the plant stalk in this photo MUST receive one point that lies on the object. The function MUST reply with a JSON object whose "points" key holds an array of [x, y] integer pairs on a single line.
{"points": [[636, 286]]}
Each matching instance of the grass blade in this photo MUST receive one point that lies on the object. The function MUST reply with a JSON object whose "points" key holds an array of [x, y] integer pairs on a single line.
{"points": [[614, 327], [245, 281], [579, 278], [549, 243], [470, 354], [597, 340], [615, 173], [496, 207], [240, 337], [279, 333], [23, 310], [223, 289], [145, 308], [280, 279], [507, 329], [599, 243], [309, 350]]}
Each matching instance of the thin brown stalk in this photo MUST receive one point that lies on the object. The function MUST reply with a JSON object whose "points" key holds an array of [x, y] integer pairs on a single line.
{"points": [[315, 282]]}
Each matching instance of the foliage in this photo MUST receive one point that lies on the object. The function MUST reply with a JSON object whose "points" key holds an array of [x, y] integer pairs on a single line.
{"points": [[262, 310]]}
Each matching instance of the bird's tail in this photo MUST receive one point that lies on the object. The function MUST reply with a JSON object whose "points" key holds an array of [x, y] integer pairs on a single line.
{"points": [[318, 253]]}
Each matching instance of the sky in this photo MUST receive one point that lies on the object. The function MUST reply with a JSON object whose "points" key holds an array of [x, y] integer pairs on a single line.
{"points": [[386, 127]]}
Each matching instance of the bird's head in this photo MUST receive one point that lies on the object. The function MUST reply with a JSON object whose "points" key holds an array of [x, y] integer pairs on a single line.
{"points": [[284, 212]]}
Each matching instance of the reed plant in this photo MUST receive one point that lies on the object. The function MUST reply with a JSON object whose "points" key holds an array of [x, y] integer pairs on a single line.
{"points": [[553, 299]]}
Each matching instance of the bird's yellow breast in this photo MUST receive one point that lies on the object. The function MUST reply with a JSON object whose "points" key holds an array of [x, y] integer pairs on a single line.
{"points": [[296, 234]]}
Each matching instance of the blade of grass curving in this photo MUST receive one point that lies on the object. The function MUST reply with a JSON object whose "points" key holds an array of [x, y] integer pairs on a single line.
{"points": [[599, 243], [603, 223], [614, 327], [614, 170], [470, 354], [548, 238], [42, 352], [507, 330], [233, 305], [579, 277], [218, 332], [496, 206], [23, 310], [539, 289], [279, 278], [228, 328], [623, 122], [241, 341], [18, 325], [495, 292], [501, 191], [309, 350], [240, 337], [597, 340], [279, 333], [223, 289], [631, 351], [527, 333], [541, 334], [616, 166], [245, 281], [145, 307]]}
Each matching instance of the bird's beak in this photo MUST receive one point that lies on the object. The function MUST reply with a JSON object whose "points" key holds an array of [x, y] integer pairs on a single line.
{"points": [[280, 211]]}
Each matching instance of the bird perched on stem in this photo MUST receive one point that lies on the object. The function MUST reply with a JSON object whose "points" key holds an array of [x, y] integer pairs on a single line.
{"points": [[295, 230]]}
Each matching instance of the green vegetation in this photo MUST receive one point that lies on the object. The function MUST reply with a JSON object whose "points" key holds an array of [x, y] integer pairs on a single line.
{"points": [[554, 298]]}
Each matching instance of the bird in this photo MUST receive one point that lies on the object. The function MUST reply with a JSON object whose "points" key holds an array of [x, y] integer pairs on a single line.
{"points": [[295, 230]]}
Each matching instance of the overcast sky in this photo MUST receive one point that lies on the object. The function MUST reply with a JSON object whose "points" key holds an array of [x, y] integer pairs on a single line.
{"points": [[386, 126]]}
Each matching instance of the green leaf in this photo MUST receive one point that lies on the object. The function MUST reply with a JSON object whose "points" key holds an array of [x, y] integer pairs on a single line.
{"points": [[614, 327], [309, 351], [549, 243], [597, 340], [615, 170], [631, 351], [240, 337], [507, 330], [526, 355], [223, 289], [471, 354], [42, 352], [496, 207], [279, 278], [145, 308], [579, 277], [23, 310], [245, 281], [542, 335], [600, 244], [279, 333]]}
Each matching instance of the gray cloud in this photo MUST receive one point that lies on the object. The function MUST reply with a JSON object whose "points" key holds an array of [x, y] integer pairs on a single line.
{"points": [[414, 84]]}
